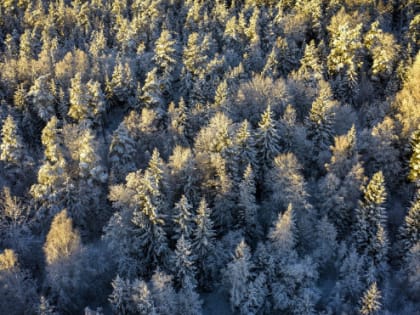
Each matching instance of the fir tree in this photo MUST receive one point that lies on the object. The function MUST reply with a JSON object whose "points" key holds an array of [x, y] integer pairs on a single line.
{"points": [[414, 164], [237, 275], [371, 301], [12, 149], [183, 218], [267, 139], [42, 98], [410, 230], [282, 235], [370, 221], [248, 208], [184, 262]]}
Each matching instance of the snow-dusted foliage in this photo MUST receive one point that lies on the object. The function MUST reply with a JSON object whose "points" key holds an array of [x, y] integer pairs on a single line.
{"points": [[198, 157]]}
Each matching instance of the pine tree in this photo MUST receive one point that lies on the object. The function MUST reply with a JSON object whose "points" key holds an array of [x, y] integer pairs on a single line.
{"points": [[52, 141], [11, 147], [410, 230], [267, 139], [42, 98], [242, 153], [165, 55], [163, 293], [184, 262], [370, 221], [203, 242], [142, 298], [120, 295], [79, 99], [371, 301], [203, 234], [320, 123], [89, 161], [248, 209], [183, 218], [237, 275], [414, 174], [121, 153], [152, 93], [311, 68], [189, 302], [282, 234], [17, 288]]}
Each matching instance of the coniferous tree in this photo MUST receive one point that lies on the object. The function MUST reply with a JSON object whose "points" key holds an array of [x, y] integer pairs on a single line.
{"points": [[42, 98], [203, 241], [369, 231], [371, 301], [320, 123], [237, 275], [267, 140], [13, 151], [184, 262], [248, 208], [410, 230], [183, 218], [414, 164]]}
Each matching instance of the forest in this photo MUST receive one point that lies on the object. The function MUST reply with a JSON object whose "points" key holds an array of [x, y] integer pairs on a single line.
{"points": [[185, 157]]}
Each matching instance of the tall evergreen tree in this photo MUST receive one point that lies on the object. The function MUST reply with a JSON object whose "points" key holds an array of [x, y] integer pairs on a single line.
{"points": [[267, 140], [183, 218], [371, 301], [12, 149]]}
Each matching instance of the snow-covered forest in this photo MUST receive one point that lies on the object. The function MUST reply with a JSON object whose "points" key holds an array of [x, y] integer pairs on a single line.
{"points": [[182, 157]]}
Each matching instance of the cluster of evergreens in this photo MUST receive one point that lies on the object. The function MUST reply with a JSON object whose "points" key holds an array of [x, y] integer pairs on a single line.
{"points": [[155, 152]]}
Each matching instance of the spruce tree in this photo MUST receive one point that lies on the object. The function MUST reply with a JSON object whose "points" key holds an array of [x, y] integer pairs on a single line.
{"points": [[369, 230], [410, 230], [414, 164], [182, 218], [370, 303], [267, 139], [12, 150]]}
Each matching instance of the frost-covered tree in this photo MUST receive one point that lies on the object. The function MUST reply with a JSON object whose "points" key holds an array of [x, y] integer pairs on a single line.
{"points": [[237, 275], [182, 218], [267, 139], [383, 50], [341, 188], [17, 288], [370, 303], [52, 175], [283, 234], [163, 293], [345, 53], [184, 262], [139, 223], [142, 298], [121, 153], [248, 208], [152, 91], [120, 296], [369, 230], [203, 240], [62, 240], [242, 152], [320, 124], [189, 301], [414, 164], [42, 98], [87, 101], [410, 230], [288, 186], [12, 149]]}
